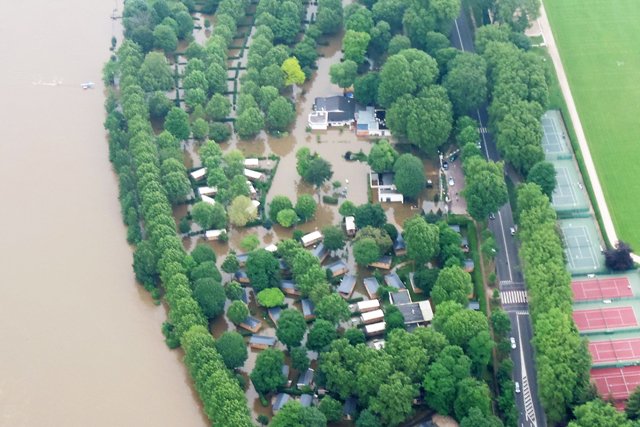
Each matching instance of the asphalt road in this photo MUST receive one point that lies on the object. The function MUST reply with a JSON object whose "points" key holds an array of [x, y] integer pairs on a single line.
{"points": [[512, 287]]}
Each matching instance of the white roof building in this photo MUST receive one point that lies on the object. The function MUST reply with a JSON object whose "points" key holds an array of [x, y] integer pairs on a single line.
{"points": [[207, 191], [311, 238], [372, 316], [254, 175], [368, 305], [251, 163], [199, 174], [213, 234], [208, 200], [375, 328]]}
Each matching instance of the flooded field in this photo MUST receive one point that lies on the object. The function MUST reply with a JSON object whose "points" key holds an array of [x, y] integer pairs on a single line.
{"points": [[81, 341]]}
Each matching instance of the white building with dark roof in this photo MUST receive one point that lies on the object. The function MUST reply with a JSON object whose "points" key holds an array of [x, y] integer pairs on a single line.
{"points": [[332, 111]]}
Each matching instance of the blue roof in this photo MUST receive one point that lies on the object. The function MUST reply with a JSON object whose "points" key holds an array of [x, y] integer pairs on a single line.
{"points": [[281, 399], [288, 284], [274, 313], [349, 407], [393, 280], [240, 274], [371, 284], [399, 243], [306, 378], [242, 258], [261, 339], [307, 307], [306, 400], [337, 266], [347, 284], [319, 251], [251, 322]]}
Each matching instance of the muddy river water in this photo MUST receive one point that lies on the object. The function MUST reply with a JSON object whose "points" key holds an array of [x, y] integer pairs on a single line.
{"points": [[80, 341]]}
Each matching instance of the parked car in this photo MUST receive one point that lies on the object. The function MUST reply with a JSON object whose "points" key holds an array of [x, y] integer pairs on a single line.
{"points": [[492, 216], [451, 182], [445, 166], [513, 343], [513, 231], [517, 387]]}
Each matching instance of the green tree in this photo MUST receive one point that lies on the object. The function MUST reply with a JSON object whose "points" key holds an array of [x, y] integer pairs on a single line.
{"points": [[476, 418], [453, 284], [218, 107], [200, 129], [287, 218], [472, 393], [270, 297], [165, 38], [174, 180], [409, 175], [278, 203], [155, 74], [267, 374], [519, 134], [383, 156], [421, 239], [185, 24], [396, 79], [263, 270], [145, 263], [333, 308], [177, 123], [321, 335], [306, 207], [365, 88], [355, 336], [250, 242], [479, 351], [232, 348], [280, 114], [450, 367], [159, 105], [331, 408], [217, 78], [249, 123], [210, 296], [500, 322], [366, 251], [380, 38], [398, 42], [344, 73], [319, 172], [203, 253], [209, 216], [466, 82], [544, 174], [293, 414], [458, 324], [329, 17], [370, 214], [230, 264], [292, 71], [241, 211], [355, 45], [393, 318], [347, 208], [299, 359], [333, 238], [599, 413], [234, 291], [485, 190], [632, 409], [291, 327], [367, 418], [394, 401], [425, 278], [237, 312]]}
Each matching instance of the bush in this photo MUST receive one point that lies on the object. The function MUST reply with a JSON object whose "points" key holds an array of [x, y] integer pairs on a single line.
{"points": [[270, 297], [330, 200]]}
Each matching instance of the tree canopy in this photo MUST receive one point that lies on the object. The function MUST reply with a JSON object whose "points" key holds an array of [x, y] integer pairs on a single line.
{"points": [[409, 175]]}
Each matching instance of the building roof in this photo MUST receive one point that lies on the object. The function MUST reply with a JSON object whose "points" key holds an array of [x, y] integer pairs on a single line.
{"points": [[208, 199], [274, 313], [198, 173], [306, 378], [271, 248], [240, 275], [289, 284], [252, 322], [400, 297], [251, 174], [337, 266], [455, 227], [350, 223], [473, 305], [383, 260], [279, 401], [320, 251], [371, 285], [350, 406], [306, 400], [374, 328], [262, 340], [371, 119], [309, 238], [469, 265], [399, 243], [283, 265], [393, 280], [347, 284], [416, 312], [372, 315], [207, 191], [213, 234], [251, 163], [370, 304], [242, 258], [340, 108], [285, 370], [308, 309]]}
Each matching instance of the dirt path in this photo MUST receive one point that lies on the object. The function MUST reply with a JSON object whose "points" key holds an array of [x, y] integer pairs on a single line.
{"points": [[549, 41]]}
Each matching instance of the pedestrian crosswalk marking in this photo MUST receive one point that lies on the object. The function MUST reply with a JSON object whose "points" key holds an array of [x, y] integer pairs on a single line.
{"points": [[483, 130], [528, 401], [514, 297]]}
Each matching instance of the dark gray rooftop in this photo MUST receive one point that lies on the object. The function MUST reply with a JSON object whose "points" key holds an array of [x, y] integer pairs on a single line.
{"points": [[400, 297], [337, 266], [252, 322], [274, 313], [371, 284], [340, 108], [347, 284], [306, 400], [307, 307], [393, 280], [306, 378], [262, 340], [280, 400]]}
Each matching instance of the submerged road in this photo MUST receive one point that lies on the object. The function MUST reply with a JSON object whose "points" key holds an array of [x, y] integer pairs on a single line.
{"points": [[512, 288]]}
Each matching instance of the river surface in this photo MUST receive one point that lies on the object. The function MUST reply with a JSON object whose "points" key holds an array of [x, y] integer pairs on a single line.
{"points": [[81, 342]]}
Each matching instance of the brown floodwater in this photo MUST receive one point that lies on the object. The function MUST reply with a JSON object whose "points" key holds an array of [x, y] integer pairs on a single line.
{"points": [[81, 341]]}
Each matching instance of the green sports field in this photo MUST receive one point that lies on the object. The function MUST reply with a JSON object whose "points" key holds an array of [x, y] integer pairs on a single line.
{"points": [[599, 42]]}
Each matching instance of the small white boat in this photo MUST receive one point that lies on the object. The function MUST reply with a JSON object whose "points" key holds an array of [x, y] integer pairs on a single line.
{"points": [[87, 85]]}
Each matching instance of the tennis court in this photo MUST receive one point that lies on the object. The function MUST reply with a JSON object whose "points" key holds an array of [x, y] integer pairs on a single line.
{"points": [[617, 383], [582, 245], [554, 140], [615, 350], [604, 318], [570, 194], [599, 289]]}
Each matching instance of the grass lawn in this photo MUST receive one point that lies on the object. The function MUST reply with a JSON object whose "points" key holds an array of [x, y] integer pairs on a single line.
{"points": [[600, 48]]}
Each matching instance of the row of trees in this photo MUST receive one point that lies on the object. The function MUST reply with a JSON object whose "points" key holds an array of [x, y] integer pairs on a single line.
{"points": [[162, 254], [282, 210], [563, 361]]}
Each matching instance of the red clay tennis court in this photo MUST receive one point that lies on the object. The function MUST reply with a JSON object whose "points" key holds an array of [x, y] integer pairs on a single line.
{"points": [[618, 383], [615, 350], [605, 318], [599, 289]]}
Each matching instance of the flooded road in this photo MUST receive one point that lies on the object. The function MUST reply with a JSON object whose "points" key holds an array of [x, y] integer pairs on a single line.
{"points": [[81, 342]]}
